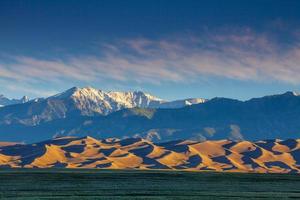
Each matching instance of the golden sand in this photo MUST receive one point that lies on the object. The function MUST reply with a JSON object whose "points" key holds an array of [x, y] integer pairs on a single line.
{"points": [[223, 155]]}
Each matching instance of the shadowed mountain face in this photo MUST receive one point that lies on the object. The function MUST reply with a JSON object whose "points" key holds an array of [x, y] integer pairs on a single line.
{"points": [[135, 153], [6, 101], [77, 102], [276, 116]]}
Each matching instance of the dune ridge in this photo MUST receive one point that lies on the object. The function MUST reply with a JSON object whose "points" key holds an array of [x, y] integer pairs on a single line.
{"points": [[268, 156]]}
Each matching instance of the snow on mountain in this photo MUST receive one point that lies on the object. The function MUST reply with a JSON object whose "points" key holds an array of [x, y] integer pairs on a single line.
{"points": [[78, 102], [135, 99], [181, 103], [87, 100], [90, 100], [4, 101], [76, 112]]}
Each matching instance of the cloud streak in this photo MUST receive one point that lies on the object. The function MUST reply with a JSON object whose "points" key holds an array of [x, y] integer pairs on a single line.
{"points": [[245, 55]]}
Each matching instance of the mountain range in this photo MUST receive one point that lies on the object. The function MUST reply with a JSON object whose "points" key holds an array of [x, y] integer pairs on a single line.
{"points": [[83, 102], [88, 111], [269, 156], [4, 101]]}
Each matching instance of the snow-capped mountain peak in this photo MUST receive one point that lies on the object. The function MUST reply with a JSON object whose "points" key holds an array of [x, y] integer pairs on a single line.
{"points": [[181, 103], [89, 101], [4, 101], [92, 101], [135, 99]]}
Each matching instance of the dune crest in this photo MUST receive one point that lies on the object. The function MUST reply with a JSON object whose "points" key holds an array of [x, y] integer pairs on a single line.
{"points": [[269, 156]]}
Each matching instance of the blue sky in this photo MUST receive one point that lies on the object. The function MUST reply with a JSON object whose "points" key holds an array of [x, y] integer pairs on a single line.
{"points": [[172, 49]]}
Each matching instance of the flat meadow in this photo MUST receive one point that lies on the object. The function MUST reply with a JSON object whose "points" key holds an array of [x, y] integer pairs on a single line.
{"points": [[137, 184]]}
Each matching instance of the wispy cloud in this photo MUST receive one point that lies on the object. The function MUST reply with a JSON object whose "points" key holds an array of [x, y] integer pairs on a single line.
{"points": [[240, 55]]}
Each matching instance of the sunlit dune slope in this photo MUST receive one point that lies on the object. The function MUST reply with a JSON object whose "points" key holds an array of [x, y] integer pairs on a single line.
{"points": [[269, 156]]}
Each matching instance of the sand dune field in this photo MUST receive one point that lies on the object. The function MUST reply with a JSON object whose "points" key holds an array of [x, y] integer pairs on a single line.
{"points": [[269, 156]]}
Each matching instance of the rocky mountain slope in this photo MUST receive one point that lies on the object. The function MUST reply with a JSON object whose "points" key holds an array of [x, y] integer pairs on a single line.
{"points": [[77, 102], [276, 116], [4, 101], [280, 156], [90, 101]]}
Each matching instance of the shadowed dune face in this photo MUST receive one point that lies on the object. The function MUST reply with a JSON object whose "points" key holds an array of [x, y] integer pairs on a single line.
{"points": [[269, 156]]}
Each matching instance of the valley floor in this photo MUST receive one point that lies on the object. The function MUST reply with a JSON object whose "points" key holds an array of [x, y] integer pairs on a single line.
{"points": [[138, 184]]}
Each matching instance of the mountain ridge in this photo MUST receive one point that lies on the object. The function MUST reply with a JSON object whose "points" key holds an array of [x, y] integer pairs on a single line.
{"points": [[273, 116], [83, 102], [4, 101]]}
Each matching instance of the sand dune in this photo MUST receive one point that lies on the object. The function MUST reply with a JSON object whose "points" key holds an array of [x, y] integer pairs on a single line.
{"points": [[269, 156]]}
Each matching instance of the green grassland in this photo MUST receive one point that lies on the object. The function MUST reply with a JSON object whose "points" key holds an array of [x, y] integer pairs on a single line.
{"points": [[133, 184]]}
